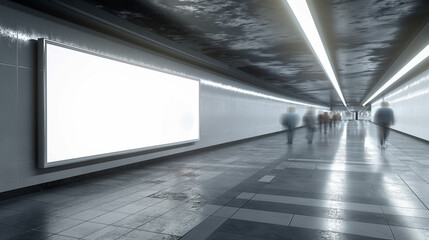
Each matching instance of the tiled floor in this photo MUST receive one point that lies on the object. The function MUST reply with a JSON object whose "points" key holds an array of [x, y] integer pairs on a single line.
{"points": [[340, 187]]}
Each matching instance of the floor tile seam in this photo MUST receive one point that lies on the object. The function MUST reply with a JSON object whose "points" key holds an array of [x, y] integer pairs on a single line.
{"points": [[351, 183], [413, 170], [25, 211], [336, 170], [247, 234], [81, 222], [352, 222], [351, 210], [162, 232], [205, 217], [311, 199], [335, 219], [334, 202], [106, 212], [158, 232], [113, 210], [391, 231], [345, 162], [59, 233], [229, 165], [291, 219], [24, 228], [127, 227], [421, 201], [103, 202], [406, 226], [162, 213], [131, 228], [123, 234]]}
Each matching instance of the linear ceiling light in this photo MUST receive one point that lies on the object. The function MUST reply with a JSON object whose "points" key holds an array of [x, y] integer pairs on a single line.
{"points": [[303, 15], [422, 55]]}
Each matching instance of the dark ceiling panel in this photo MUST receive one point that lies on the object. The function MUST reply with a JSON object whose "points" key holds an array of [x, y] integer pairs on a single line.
{"points": [[369, 36], [257, 37], [261, 38]]}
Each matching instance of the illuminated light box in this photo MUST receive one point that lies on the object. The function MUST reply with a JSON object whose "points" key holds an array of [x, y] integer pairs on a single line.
{"points": [[91, 106]]}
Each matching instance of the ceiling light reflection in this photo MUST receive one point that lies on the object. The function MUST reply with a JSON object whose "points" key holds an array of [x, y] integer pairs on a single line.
{"points": [[256, 94], [422, 55], [305, 19]]}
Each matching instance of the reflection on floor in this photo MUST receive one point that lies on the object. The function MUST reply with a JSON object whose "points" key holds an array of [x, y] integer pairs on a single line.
{"points": [[340, 187]]}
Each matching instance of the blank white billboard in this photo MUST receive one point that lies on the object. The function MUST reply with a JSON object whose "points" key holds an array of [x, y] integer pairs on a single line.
{"points": [[93, 106]]}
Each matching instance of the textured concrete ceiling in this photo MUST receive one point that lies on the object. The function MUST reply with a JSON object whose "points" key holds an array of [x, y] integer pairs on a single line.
{"points": [[260, 37]]}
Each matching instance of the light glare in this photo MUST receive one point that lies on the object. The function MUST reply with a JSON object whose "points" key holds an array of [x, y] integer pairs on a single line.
{"points": [[303, 15], [256, 94], [422, 55]]}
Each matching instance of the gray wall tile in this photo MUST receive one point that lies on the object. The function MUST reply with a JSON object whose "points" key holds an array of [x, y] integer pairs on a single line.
{"points": [[8, 42], [9, 176], [27, 53], [27, 114], [8, 114]]}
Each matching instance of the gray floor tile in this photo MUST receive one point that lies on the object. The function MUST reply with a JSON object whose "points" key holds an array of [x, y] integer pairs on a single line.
{"points": [[246, 195], [406, 211], [263, 216], [108, 233], [60, 237], [403, 233], [231, 236], [131, 208], [82, 230], [173, 226], [88, 214], [203, 230], [138, 234], [154, 211], [225, 212], [267, 178], [30, 235], [319, 203], [342, 226], [133, 221], [59, 226], [110, 218]]}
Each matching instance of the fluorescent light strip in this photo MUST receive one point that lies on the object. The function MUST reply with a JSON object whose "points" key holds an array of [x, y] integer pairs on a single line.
{"points": [[422, 55], [303, 15], [253, 93]]}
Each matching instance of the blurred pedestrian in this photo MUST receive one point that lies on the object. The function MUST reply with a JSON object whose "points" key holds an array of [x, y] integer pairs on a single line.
{"points": [[384, 116], [336, 118], [309, 121], [290, 121], [325, 121], [320, 120], [331, 119]]}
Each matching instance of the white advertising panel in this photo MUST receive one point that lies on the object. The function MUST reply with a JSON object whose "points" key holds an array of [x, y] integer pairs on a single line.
{"points": [[94, 106]]}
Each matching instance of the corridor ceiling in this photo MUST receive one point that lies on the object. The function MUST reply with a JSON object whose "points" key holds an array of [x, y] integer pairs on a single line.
{"points": [[262, 38]]}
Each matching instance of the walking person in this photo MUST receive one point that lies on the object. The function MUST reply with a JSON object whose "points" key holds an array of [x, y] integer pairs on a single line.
{"points": [[320, 120], [384, 116], [325, 121], [336, 118], [290, 121], [309, 121]]}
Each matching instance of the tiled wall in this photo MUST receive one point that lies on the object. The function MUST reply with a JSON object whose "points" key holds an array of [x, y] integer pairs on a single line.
{"points": [[226, 115], [410, 104]]}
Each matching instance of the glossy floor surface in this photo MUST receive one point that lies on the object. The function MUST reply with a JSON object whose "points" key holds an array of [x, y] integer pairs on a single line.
{"points": [[340, 187]]}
